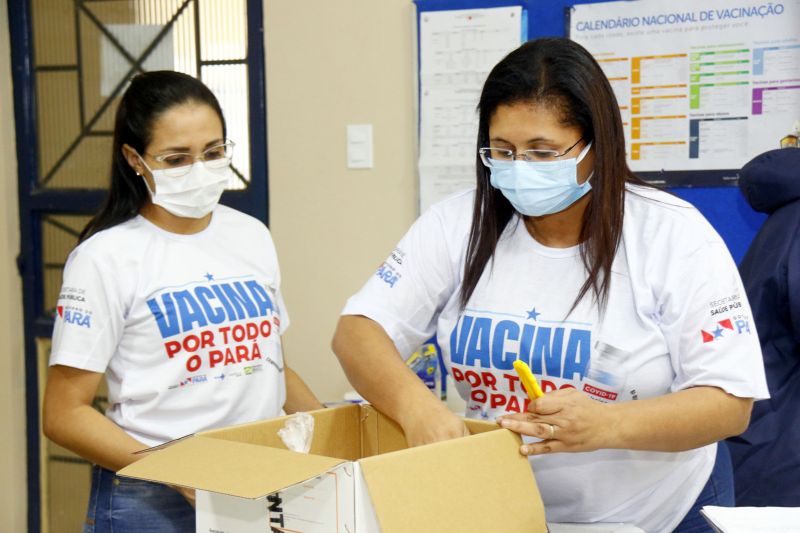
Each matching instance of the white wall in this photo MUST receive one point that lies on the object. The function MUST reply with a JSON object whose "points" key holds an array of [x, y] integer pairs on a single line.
{"points": [[13, 496], [330, 64]]}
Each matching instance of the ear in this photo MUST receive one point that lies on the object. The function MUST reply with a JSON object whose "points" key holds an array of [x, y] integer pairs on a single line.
{"points": [[133, 159]]}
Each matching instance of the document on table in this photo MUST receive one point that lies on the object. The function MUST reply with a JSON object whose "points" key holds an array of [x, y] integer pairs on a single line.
{"points": [[592, 528], [753, 519]]}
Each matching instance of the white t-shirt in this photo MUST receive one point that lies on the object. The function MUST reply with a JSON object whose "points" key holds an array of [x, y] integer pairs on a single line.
{"points": [[186, 327], [677, 317]]}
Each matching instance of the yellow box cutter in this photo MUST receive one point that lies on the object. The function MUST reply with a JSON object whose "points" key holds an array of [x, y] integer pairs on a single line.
{"points": [[528, 379]]}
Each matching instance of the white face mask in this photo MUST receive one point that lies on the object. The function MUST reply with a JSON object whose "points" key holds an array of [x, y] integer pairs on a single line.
{"points": [[193, 195]]}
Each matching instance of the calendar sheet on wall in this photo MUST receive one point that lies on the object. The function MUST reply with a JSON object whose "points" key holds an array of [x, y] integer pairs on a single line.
{"points": [[703, 87], [457, 49]]}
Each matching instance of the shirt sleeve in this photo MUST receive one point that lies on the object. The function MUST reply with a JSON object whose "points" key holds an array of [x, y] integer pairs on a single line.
{"points": [[90, 314], [708, 324], [793, 288], [410, 288]]}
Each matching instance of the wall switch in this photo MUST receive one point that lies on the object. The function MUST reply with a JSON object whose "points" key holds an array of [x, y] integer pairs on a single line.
{"points": [[359, 146]]}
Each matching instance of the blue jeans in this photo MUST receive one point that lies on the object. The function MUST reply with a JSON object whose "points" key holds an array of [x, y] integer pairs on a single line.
{"points": [[718, 491], [123, 505]]}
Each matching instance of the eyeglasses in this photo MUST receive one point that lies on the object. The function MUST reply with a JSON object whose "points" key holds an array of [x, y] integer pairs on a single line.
{"points": [[179, 164], [491, 156]]}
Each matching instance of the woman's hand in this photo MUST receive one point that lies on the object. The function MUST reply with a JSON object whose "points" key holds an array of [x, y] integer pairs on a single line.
{"points": [[566, 420], [299, 396], [674, 422], [374, 367], [70, 420], [434, 427]]}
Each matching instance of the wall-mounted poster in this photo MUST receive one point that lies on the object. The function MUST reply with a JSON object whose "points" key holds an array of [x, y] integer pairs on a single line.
{"points": [[457, 49], [703, 87]]}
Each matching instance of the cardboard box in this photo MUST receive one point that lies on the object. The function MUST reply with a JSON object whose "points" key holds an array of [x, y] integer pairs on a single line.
{"points": [[360, 476]]}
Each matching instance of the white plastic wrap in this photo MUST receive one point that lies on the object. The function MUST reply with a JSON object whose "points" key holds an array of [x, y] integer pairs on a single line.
{"points": [[297, 432]]}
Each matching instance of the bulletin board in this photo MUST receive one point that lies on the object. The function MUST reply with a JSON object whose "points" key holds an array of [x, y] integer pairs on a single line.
{"points": [[738, 100], [724, 207], [447, 133], [703, 87]]}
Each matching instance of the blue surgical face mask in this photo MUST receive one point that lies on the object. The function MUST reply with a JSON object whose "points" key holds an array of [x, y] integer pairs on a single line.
{"points": [[537, 188]]}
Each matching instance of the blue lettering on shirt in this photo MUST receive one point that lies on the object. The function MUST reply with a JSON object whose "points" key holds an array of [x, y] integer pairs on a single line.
{"points": [[78, 318], [490, 343], [184, 310], [506, 329], [479, 337]]}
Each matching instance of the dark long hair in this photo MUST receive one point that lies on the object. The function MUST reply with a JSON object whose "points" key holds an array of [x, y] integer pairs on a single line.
{"points": [[561, 74], [149, 95]]}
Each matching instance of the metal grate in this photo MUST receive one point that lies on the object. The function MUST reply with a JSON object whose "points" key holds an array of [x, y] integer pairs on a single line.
{"points": [[59, 236], [86, 51], [72, 60]]}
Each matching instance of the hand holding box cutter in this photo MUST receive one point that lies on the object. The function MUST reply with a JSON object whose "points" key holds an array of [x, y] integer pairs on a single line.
{"points": [[528, 379], [531, 386]]}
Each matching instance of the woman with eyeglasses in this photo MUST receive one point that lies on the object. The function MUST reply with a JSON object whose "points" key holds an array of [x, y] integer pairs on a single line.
{"points": [[621, 298], [176, 299]]}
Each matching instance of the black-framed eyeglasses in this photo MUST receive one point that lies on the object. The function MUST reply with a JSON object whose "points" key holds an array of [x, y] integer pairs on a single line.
{"points": [[490, 156]]}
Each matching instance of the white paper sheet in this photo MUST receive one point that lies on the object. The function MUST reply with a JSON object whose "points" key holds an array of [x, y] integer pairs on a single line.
{"points": [[753, 519], [592, 528], [457, 51], [701, 85]]}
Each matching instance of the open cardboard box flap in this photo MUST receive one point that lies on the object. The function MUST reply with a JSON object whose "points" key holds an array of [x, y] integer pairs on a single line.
{"points": [[236, 468], [483, 476]]}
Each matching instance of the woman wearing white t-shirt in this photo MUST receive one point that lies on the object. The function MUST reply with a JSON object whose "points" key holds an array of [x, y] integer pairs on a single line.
{"points": [[175, 298], [622, 299]]}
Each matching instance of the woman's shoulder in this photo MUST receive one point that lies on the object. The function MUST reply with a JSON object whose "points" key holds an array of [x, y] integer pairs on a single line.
{"points": [[231, 219], [229, 214], [115, 253], [455, 210], [446, 222], [650, 206], [125, 238], [652, 198], [456, 202], [656, 215]]}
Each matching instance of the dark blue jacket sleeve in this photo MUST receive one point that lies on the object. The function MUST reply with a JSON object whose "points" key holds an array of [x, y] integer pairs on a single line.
{"points": [[766, 457], [793, 287]]}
